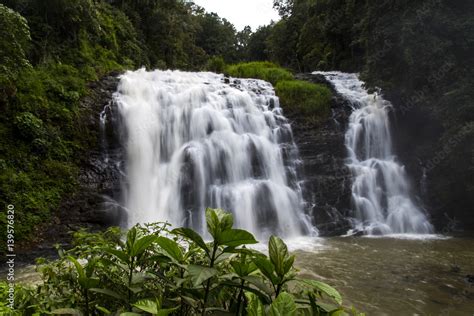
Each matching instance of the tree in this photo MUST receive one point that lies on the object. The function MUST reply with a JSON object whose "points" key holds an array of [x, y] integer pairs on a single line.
{"points": [[216, 36], [257, 47], [14, 43]]}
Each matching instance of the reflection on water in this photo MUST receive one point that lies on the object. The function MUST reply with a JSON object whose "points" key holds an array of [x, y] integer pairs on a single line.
{"points": [[391, 276]]}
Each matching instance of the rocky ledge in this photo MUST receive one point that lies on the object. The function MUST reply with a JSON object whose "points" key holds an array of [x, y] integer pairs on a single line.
{"points": [[327, 180]]}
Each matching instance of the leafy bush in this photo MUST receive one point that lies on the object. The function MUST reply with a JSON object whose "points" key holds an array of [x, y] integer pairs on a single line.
{"points": [[29, 126], [307, 98], [15, 39], [261, 70], [216, 64], [157, 271]]}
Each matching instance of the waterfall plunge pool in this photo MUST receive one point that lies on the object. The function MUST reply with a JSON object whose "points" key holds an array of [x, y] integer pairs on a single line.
{"points": [[423, 275]]}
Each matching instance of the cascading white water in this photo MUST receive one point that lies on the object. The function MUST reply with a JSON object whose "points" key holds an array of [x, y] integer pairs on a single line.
{"points": [[197, 140], [380, 189]]}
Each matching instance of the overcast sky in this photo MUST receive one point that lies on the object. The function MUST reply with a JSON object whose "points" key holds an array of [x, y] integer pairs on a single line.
{"points": [[242, 12]]}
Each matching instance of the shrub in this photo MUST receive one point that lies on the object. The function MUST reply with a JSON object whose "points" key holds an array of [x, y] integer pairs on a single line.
{"points": [[157, 271], [261, 70], [29, 126], [216, 64], [308, 98]]}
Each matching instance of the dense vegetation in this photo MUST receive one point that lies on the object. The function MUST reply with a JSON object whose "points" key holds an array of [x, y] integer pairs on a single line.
{"points": [[153, 270], [304, 97], [261, 70]]}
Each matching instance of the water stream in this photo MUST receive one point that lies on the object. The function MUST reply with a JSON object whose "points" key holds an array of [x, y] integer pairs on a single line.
{"points": [[197, 140], [381, 191]]}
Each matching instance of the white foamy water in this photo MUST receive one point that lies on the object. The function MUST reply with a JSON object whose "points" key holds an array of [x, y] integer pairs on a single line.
{"points": [[380, 189], [194, 141]]}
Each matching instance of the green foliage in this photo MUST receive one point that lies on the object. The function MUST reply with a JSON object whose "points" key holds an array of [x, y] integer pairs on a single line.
{"points": [[216, 36], [304, 97], [257, 49], [14, 43], [216, 64], [260, 70], [152, 270]]}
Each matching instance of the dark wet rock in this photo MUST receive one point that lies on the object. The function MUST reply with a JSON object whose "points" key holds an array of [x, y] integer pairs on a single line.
{"points": [[470, 278], [327, 180], [438, 166]]}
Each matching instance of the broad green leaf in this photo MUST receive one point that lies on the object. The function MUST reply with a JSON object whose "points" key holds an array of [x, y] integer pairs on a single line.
{"points": [[171, 248], [190, 301], [67, 311], [243, 268], [199, 274], [258, 283], [131, 237], [79, 268], [284, 305], [121, 255], [239, 268], [223, 257], [254, 306], [148, 305], [89, 268], [89, 283], [324, 288], [191, 234], [266, 267], [103, 310], [338, 312], [278, 254], [246, 251], [130, 314], [141, 245], [236, 237], [136, 289], [218, 221], [288, 264], [108, 293]]}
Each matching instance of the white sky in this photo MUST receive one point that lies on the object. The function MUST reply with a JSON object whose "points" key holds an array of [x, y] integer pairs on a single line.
{"points": [[242, 12]]}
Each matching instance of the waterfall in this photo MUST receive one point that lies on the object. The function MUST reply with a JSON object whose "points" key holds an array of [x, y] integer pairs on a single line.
{"points": [[197, 140], [380, 189]]}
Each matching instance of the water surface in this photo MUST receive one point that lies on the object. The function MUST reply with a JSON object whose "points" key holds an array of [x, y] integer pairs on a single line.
{"points": [[393, 276]]}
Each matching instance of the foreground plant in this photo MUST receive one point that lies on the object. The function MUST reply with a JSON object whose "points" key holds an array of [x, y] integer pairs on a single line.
{"points": [[153, 270]]}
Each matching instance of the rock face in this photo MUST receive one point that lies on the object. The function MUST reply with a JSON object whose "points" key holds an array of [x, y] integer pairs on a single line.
{"points": [[437, 164], [327, 180], [91, 206]]}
